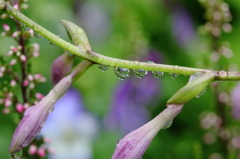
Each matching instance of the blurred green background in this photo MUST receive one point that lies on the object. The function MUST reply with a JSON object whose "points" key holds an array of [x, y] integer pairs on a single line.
{"points": [[126, 29]]}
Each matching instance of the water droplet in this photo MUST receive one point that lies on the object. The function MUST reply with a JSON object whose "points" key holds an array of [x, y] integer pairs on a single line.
{"points": [[157, 74], [10, 16], [168, 125], [37, 35], [68, 53], [51, 110], [16, 155], [103, 67], [201, 93], [24, 27], [121, 72], [174, 75], [195, 76], [140, 73], [118, 142], [51, 43]]}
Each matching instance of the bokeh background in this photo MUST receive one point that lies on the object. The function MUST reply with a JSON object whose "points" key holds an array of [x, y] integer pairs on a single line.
{"points": [[99, 109]]}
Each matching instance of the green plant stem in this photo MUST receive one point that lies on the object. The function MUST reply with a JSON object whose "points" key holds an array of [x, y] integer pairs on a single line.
{"points": [[101, 59]]}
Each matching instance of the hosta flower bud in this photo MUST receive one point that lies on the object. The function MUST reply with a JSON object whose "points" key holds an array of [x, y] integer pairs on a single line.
{"points": [[134, 144], [191, 89], [60, 67], [35, 116]]}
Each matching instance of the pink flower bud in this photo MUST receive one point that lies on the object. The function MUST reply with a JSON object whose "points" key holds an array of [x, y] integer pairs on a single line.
{"points": [[39, 96], [41, 152], [60, 67], [15, 6], [23, 58], [37, 76], [47, 140], [25, 83], [13, 83], [32, 150], [35, 54], [30, 77], [10, 53], [8, 102], [13, 62], [2, 69], [6, 27], [19, 47], [6, 111], [16, 34], [36, 47], [26, 105], [19, 108], [32, 85]]}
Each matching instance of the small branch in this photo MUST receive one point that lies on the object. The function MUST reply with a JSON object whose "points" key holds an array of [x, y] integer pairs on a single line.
{"points": [[101, 59]]}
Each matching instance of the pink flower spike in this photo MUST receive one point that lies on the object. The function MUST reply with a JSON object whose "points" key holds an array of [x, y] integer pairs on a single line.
{"points": [[13, 83], [13, 62], [41, 152], [37, 76], [23, 58], [32, 150], [39, 96], [134, 144], [25, 83], [8, 102], [19, 108], [6, 27], [15, 6]]}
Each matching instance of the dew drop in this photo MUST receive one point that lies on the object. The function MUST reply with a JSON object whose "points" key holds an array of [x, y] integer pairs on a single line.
{"points": [[118, 142], [201, 93], [51, 110], [37, 35], [174, 75], [16, 155], [121, 72], [195, 76], [140, 73], [168, 125], [68, 53], [24, 27], [157, 74], [10, 16], [103, 67], [51, 43]]}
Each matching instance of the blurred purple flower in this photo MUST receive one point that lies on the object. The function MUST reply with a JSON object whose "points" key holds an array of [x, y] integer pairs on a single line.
{"points": [[183, 29], [71, 128], [132, 96], [236, 102]]}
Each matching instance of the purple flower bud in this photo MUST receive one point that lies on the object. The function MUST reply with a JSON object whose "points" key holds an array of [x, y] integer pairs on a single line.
{"points": [[35, 116], [60, 67], [134, 144], [236, 103]]}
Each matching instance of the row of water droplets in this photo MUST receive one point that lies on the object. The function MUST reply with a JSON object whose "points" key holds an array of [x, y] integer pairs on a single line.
{"points": [[36, 34], [123, 73]]}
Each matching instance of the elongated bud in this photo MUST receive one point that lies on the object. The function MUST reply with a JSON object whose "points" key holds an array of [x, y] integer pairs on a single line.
{"points": [[191, 89], [35, 116], [60, 67], [77, 35], [134, 144]]}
